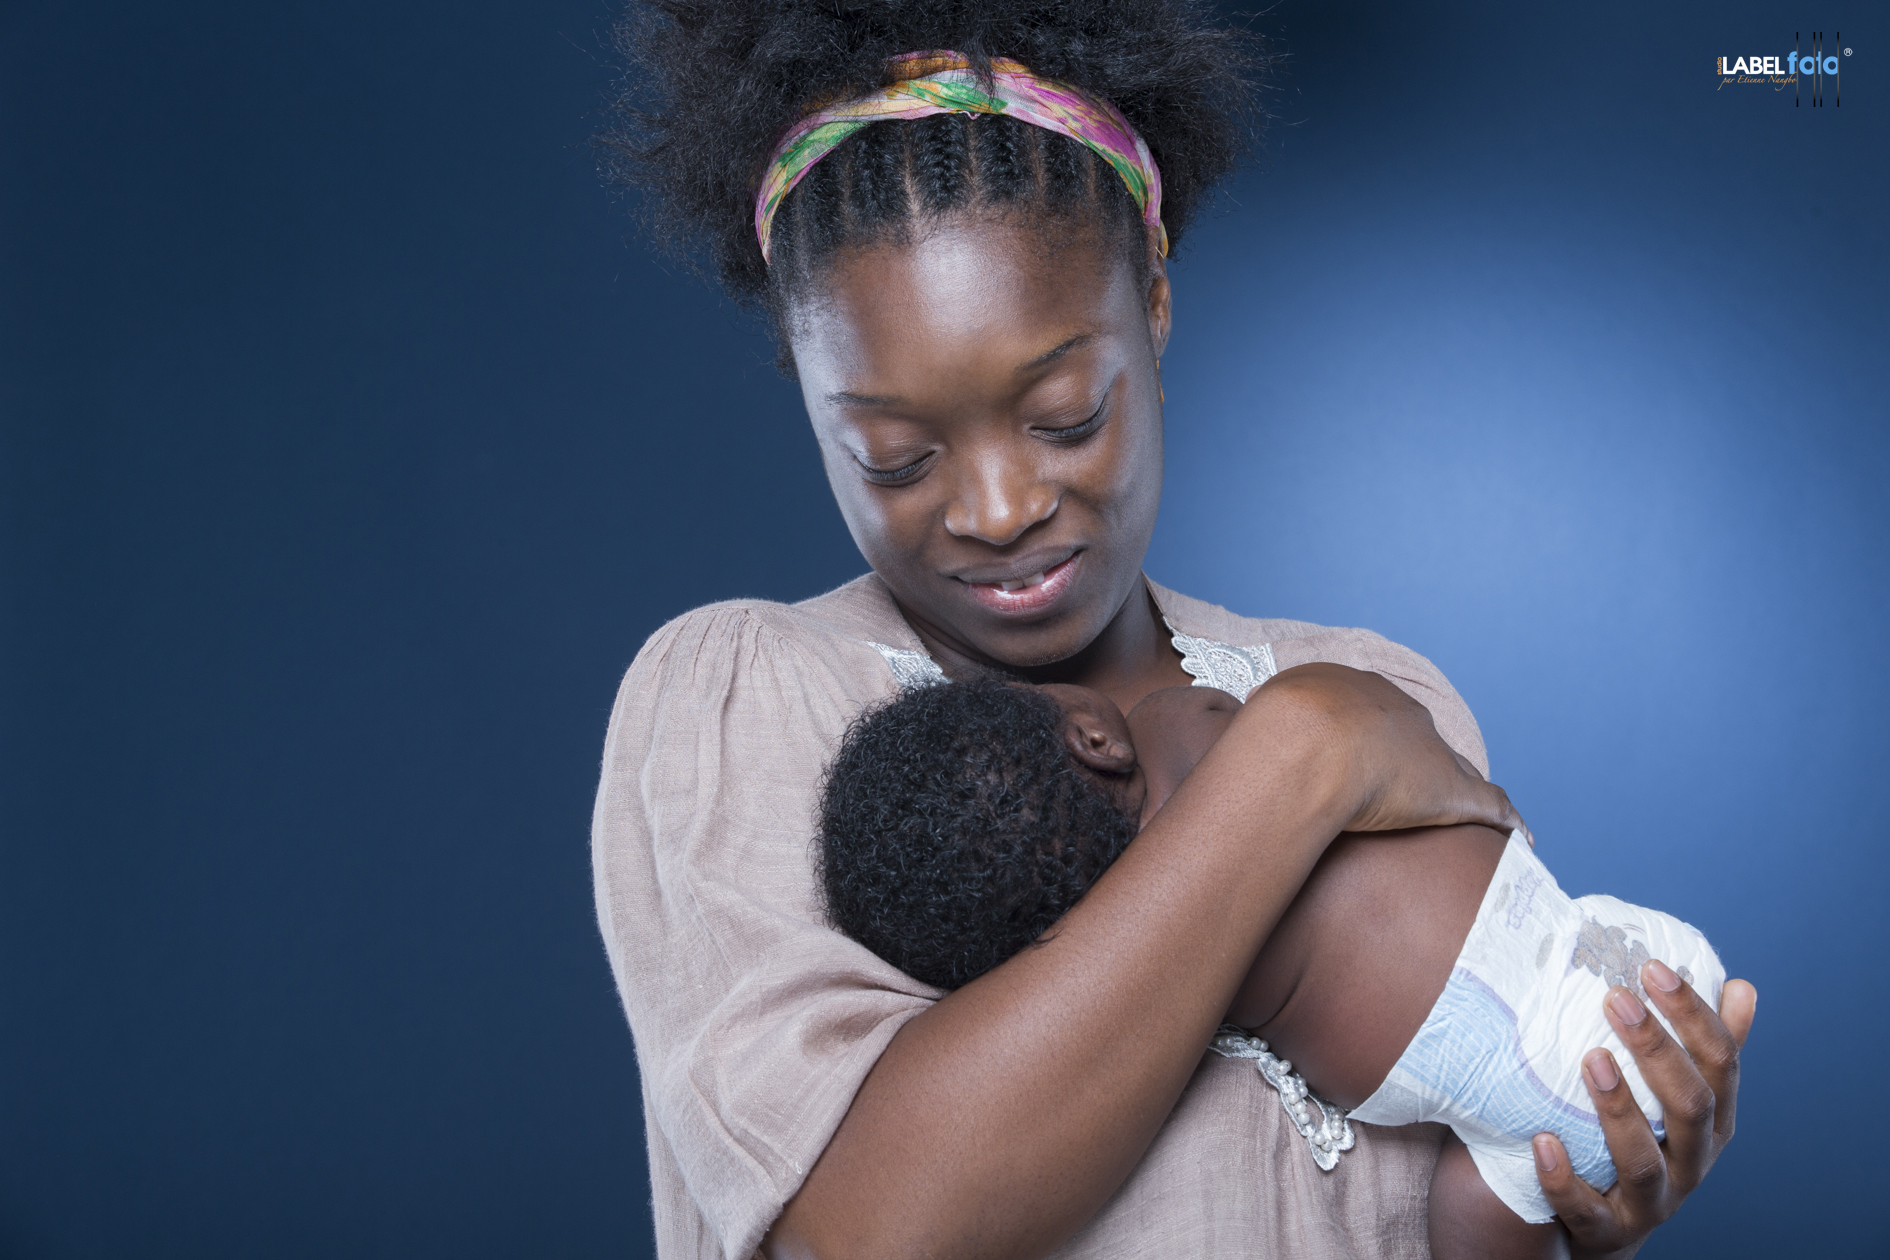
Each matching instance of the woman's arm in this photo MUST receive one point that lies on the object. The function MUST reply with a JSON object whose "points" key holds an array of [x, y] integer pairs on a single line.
{"points": [[998, 1121]]}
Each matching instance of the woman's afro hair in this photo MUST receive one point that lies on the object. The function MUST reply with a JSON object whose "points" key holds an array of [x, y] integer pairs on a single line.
{"points": [[956, 829], [712, 85]]}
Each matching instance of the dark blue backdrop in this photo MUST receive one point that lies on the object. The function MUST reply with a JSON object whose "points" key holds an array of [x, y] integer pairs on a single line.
{"points": [[352, 447]]}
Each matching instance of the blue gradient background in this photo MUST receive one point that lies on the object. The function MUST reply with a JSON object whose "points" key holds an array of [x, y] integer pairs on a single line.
{"points": [[350, 446]]}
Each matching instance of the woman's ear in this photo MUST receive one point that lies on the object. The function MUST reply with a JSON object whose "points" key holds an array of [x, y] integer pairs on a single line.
{"points": [[1095, 746], [1161, 312]]}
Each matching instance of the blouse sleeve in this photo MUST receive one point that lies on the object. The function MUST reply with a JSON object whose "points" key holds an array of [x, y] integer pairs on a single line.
{"points": [[754, 1022]]}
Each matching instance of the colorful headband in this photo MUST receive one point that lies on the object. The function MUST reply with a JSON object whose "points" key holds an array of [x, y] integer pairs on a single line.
{"points": [[945, 83]]}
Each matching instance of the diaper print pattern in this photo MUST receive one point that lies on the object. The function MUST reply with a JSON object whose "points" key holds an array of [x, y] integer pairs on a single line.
{"points": [[1526, 885], [1607, 952]]}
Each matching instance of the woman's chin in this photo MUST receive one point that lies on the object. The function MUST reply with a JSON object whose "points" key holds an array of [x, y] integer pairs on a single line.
{"points": [[1044, 639]]}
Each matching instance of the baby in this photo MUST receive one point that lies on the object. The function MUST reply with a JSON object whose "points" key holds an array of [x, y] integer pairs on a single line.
{"points": [[1431, 975]]}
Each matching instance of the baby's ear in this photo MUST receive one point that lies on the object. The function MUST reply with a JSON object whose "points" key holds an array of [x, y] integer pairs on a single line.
{"points": [[1096, 747]]}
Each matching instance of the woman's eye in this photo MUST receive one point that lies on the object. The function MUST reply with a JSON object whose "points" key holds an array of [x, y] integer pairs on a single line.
{"points": [[1070, 433], [893, 476]]}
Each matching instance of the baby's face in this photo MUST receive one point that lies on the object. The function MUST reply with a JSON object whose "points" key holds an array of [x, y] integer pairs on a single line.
{"points": [[1098, 738]]}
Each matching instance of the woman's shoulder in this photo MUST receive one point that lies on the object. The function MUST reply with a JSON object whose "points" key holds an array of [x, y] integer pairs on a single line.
{"points": [[747, 633], [1290, 640], [728, 629], [825, 653], [1291, 643], [1211, 621]]}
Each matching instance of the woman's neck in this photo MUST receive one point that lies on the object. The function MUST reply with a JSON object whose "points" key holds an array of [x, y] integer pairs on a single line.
{"points": [[1132, 657]]}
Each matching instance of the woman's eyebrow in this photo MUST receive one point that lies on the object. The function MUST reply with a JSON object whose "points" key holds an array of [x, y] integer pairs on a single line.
{"points": [[848, 398], [1048, 356]]}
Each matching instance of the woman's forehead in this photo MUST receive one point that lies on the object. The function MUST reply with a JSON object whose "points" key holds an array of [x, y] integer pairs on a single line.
{"points": [[981, 297]]}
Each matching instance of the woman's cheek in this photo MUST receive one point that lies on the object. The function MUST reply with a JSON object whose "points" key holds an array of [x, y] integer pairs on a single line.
{"points": [[908, 524], [1127, 481]]}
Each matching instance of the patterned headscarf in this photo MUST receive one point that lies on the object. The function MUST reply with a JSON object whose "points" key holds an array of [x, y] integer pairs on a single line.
{"points": [[944, 83]]}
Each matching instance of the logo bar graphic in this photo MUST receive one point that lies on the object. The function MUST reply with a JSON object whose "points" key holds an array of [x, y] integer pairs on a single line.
{"points": [[1810, 73]]}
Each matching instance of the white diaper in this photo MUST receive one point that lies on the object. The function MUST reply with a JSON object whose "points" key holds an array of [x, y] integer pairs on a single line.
{"points": [[1499, 1057]]}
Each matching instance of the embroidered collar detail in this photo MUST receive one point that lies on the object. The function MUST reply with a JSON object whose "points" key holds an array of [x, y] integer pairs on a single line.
{"points": [[910, 669], [1235, 670]]}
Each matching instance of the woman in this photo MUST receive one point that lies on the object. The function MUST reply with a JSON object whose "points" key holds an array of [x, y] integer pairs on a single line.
{"points": [[975, 305]]}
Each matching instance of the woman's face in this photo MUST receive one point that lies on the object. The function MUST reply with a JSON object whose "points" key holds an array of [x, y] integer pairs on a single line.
{"points": [[989, 413]]}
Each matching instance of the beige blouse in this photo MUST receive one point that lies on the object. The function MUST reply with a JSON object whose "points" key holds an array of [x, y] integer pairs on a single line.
{"points": [[755, 1022]]}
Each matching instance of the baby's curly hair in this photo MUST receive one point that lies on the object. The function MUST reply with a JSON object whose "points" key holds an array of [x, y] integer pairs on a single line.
{"points": [[712, 85], [955, 829]]}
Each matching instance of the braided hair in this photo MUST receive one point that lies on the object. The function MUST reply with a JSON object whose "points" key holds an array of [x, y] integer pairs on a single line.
{"points": [[713, 84]]}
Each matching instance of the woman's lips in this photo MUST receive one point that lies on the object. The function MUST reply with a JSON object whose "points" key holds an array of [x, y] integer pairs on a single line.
{"points": [[1030, 594]]}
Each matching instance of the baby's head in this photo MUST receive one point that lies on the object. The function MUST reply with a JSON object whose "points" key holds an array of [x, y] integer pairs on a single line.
{"points": [[960, 821]]}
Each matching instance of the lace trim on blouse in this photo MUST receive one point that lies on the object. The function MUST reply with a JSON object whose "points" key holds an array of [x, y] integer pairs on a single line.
{"points": [[1237, 671], [1321, 1123], [909, 668]]}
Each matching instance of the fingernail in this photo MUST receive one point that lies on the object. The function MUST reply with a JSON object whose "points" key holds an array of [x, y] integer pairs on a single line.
{"points": [[1660, 976], [1602, 1073], [1545, 1154], [1626, 1007]]}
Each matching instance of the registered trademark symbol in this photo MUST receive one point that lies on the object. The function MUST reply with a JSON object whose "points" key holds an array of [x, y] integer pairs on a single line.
{"points": [[1847, 52]]}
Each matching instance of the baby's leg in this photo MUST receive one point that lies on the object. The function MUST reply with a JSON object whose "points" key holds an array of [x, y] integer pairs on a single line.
{"points": [[1359, 959], [1468, 1221]]}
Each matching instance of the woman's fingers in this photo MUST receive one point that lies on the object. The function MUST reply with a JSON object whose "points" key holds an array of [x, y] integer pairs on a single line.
{"points": [[1599, 1223], [1711, 1042], [1473, 799], [1641, 1166], [1687, 1101], [1489, 804], [1738, 1007], [1406, 774], [1589, 1217]]}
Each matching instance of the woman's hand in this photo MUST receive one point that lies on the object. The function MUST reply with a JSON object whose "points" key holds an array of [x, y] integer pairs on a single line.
{"points": [[1398, 770], [1697, 1084]]}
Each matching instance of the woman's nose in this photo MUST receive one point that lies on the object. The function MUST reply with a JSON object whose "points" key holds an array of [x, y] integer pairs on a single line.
{"points": [[998, 501]]}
